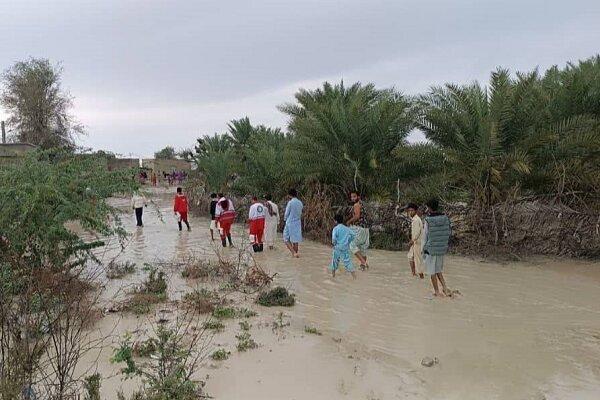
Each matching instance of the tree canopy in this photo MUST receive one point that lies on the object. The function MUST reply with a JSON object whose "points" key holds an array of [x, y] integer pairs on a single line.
{"points": [[39, 109], [167, 153], [521, 134]]}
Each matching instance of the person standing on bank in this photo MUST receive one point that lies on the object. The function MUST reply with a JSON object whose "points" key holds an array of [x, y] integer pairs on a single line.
{"points": [[271, 221], [415, 253], [292, 232], [358, 223], [180, 207], [437, 233], [138, 202]]}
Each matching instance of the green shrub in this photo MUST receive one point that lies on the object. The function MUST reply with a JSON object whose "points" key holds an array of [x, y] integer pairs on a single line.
{"points": [[224, 312], [245, 342], [278, 296], [312, 330], [216, 326], [91, 385], [220, 355]]}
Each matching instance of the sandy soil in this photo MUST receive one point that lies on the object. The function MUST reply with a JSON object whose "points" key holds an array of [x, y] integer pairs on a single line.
{"points": [[528, 330]]}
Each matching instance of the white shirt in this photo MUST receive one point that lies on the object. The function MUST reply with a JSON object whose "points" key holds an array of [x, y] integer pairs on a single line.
{"points": [[219, 209], [417, 230], [138, 201], [275, 216], [257, 211]]}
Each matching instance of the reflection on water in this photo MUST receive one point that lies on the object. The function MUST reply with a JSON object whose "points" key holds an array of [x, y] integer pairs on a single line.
{"points": [[517, 331], [138, 243]]}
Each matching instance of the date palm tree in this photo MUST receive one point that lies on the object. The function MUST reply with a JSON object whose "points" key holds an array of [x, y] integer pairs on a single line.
{"points": [[214, 157], [515, 136], [487, 134], [344, 136]]}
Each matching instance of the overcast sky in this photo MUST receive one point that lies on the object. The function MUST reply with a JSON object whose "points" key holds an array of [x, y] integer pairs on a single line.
{"points": [[148, 73]]}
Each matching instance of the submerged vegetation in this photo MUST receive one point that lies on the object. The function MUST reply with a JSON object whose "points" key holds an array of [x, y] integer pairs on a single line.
{"points": [[153, 290], [245, 342], [118, 270], [278, 296], [177, 352]]}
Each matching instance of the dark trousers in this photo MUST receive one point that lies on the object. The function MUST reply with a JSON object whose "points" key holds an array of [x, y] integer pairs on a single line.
{"points": [[185, 221], [138, 215], [225, 239]]}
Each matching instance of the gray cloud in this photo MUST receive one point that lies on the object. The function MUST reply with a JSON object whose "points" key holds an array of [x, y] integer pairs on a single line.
{"points": [[149, 73]]}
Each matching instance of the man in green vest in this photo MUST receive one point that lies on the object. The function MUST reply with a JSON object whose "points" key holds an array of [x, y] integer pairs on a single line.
{"points": [[437, 232]]}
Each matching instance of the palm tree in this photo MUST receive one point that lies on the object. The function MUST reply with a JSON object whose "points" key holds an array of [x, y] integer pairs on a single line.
{"points": [[240, 131], [215, 160], [486, 134], [265, 167], [344, 136], [515, 135]]}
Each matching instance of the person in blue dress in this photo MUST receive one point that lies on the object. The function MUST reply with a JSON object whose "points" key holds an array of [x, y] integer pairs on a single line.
{"points": [[292, 232], [341, 237]]}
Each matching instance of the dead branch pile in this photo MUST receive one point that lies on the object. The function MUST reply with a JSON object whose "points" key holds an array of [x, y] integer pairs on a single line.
{"points": [[319, 212], [538, 227]]}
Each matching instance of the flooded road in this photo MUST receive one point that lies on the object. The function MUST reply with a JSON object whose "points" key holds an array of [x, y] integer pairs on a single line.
{"points": [[527, 330]]}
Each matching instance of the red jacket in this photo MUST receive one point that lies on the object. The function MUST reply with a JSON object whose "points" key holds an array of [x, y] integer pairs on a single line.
{"points": [[181, 204]]}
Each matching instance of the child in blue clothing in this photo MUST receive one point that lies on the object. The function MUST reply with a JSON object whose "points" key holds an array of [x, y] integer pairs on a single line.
{"points": [[341, 237]]}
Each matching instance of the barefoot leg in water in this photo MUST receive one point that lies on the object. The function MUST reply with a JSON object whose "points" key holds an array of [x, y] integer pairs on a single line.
{"points": [[445, 289], [290, 247], [362, 259], [434, 282], [293, 248]]}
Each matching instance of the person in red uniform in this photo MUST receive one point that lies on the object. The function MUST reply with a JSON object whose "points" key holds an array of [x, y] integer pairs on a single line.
{"points": [[256, 218], [225, 215], [180, 207]]}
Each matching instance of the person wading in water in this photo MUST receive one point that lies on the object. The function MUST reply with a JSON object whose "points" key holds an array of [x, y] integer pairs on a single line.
{"points": [[225, 215], [181, 208], [415, 253], [358, 223], [138, 202], [271, 221], [256, 222], [437, 234], [292, 232], [213, 210]]}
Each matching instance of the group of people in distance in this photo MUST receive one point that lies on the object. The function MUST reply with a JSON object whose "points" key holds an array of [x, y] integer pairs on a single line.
{"points": [[429, 235]]}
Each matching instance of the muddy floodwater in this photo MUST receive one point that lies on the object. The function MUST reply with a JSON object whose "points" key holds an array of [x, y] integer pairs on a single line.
{"points": [[526, 330]]}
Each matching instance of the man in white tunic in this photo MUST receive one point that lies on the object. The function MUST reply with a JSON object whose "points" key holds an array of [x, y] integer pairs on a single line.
{"points": [[415, 253], [271, 221]]}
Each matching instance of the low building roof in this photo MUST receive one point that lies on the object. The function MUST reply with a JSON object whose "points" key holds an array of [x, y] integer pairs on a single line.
{"points": [[15, 149]]}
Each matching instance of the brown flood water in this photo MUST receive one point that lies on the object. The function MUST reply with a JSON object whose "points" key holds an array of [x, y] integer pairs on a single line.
{"points": [[527, 330]]}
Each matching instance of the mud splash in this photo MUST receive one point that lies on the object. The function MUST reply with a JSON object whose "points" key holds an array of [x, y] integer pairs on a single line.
{"points": [[527, 330]]}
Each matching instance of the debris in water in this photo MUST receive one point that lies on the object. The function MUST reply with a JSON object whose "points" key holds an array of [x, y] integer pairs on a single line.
{"points": [[429, 362]]}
